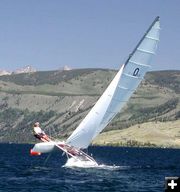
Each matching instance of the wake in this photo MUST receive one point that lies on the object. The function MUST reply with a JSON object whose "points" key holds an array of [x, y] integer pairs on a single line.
{"points": [[77, 163]]}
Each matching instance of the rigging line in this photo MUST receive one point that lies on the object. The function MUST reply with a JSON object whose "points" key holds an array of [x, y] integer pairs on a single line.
{"points": [[47, 159]]}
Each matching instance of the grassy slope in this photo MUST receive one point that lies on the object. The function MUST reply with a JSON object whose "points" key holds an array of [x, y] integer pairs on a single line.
{"points": [[162, 134]]}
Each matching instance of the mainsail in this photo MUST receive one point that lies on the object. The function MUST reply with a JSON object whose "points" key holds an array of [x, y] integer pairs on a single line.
{"points": [[120, 89]]}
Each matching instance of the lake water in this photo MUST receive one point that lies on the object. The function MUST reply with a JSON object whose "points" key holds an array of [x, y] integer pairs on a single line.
{"points": [[141, 169]]}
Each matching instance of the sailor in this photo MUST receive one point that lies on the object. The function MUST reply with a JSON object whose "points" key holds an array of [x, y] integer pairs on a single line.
{"points": [[39, 133]]}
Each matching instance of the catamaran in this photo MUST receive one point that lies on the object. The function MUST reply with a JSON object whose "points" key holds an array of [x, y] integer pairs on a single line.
{"points": [[108, 105]]}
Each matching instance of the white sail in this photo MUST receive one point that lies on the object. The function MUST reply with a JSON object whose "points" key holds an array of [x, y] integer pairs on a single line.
{"points": [[119, 91]]}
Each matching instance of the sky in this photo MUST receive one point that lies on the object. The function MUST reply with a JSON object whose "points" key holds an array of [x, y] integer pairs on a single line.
{"points": [[49, 34]]}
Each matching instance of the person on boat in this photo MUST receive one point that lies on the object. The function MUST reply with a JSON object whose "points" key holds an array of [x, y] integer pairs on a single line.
{"points": [[39, 133]]}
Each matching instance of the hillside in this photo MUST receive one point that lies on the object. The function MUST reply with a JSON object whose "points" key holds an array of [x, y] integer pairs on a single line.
{"points": [[61, 99], [150, 134]]}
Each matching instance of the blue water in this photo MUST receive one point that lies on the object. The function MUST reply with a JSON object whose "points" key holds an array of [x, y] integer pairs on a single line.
{"points": [[141, 169]]}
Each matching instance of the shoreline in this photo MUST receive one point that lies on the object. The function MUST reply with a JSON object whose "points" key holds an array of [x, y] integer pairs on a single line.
{"points": [[108, 145]]}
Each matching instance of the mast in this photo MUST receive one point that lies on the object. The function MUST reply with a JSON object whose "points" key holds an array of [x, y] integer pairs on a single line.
{"points": [[150, 27]]}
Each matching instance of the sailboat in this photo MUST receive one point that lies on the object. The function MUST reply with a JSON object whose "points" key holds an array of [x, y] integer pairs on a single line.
{"points": [[109, 104]]}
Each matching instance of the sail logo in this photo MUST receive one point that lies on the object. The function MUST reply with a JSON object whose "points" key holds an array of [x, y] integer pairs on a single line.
{"points": [[136, 71]]}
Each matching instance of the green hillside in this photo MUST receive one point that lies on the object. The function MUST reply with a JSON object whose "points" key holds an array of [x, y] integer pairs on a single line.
{"points": [[61, 99], [149, 134]]}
